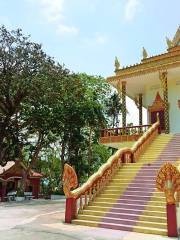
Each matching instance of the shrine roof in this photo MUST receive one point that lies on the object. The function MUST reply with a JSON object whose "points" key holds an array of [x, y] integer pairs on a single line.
{"points": [[12, 166], [6, 167]]}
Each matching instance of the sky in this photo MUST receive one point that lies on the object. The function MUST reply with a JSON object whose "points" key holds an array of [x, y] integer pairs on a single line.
{"points": [[86, 35]]}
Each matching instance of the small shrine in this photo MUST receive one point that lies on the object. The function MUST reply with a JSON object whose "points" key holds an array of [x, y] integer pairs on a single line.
{"points": [[11, 176]]}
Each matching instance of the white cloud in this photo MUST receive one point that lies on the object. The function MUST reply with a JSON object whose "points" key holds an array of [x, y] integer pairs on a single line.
{"points": [[97, 39], [53, 12], [52, 9], [67, 30], [100, 39], [131, 9]]}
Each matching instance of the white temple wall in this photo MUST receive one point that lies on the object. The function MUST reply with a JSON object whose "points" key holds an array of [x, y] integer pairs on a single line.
{"points": [[173, 97], [174, 110]]}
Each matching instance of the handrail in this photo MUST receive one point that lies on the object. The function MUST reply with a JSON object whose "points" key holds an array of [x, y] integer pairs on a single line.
{"points": [[94, 185], [132, 130], [138, 126]]}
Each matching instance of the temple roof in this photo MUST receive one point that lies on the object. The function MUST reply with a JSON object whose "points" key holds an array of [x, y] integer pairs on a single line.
{"points": [[146, 73], [166, 60], [11, 168]]}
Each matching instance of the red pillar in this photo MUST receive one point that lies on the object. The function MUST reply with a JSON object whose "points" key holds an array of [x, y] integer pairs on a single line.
{"points": [[171, 220], [71, 209], [15, 184], [36, 187], [3, 191]]}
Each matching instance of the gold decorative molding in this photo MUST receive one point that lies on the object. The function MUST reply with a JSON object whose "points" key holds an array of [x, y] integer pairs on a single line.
{"points": [[154, 64], [168, 181], [158, 104]]}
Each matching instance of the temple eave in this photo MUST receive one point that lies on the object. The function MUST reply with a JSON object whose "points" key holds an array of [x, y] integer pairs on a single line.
{"points": [[136, 71]]}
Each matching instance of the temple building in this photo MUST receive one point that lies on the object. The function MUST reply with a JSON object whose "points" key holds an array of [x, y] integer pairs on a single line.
{"points": [[154, 83], [138, 188], [10, 179]]}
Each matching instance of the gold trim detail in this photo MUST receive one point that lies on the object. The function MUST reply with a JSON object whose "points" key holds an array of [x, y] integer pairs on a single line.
{"points": [[168, 181], [158, 104]]}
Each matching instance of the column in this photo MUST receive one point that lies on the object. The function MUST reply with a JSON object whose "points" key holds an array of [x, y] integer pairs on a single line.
{"points": [[123, 104], [3, 191], [36, 186], [140, 110], [163, 78]]}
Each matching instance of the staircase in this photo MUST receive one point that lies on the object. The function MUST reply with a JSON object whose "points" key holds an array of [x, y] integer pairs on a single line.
{"points": [[131, 202]]}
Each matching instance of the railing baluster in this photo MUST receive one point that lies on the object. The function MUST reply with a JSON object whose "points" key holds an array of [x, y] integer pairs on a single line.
{"points": [[85, 199]]}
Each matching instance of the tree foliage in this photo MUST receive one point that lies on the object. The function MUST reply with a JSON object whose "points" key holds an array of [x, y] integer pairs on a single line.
{"points": [[49, 115]]}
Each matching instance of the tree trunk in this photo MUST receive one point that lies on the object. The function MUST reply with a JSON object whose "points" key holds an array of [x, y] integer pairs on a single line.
{"points": [[37, 150]]}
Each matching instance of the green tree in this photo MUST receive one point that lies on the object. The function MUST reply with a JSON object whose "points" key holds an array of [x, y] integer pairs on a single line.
{"points": [[27, 82], [48, 116], [114, 108]]}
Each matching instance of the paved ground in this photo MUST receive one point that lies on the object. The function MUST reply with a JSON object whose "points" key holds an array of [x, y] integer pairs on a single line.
{"points": [[43, 220]]}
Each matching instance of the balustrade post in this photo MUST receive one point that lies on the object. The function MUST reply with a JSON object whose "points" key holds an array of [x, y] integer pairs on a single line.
{"points": [[71, 209], [171, 220], [123, 158], [132, 158], [85, 199], [90, 195]]}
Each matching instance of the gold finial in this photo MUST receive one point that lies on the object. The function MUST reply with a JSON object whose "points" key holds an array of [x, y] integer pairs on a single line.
{"points": [[144, 53], [169, 42], [176, 39], [116, 64]]}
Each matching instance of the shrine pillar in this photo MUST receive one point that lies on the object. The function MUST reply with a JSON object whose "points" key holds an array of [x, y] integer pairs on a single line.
{"points": [[35, 187], [163, 79], [123, 104], [3, 191]]}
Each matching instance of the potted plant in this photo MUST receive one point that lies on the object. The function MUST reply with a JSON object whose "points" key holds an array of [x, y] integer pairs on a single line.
{"points": [[20, 195]]}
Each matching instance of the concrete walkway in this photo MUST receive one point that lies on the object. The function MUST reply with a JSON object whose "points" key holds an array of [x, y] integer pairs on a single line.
{"points": [[44, 219]]}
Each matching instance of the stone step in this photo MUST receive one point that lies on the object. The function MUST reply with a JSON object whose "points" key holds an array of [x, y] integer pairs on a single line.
{"points": [[126, 180], [123, 199], [131, 186], [127, 211], [132, 201], [126, 216], [140, 178], [132, 193], [131, 206], [135, 197], [127, 221], [139, 189], [122, 227]]}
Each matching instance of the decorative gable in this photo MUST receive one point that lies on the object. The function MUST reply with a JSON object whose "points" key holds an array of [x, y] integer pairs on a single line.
{"points": [[158, 104]]}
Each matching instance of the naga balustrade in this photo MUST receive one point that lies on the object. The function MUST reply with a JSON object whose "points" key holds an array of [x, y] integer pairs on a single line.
{"points": [[122, 134], [168, 181], [144, 141], [79, 198]]}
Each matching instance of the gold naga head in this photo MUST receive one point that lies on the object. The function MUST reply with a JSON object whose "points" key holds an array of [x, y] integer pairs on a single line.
{"points": [[168, 181], [70, 180]]}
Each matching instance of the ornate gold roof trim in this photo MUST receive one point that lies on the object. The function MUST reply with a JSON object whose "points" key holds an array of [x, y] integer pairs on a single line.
{"points": [[143, 71]]}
